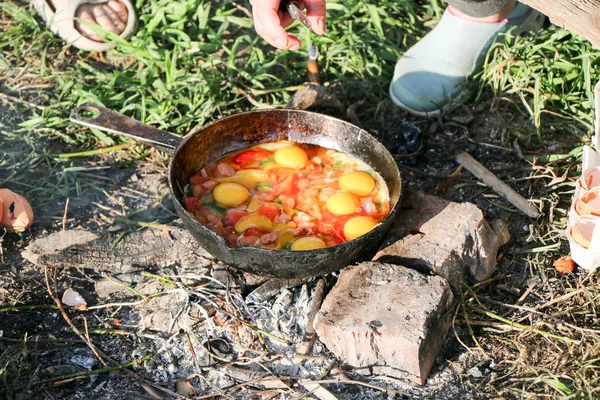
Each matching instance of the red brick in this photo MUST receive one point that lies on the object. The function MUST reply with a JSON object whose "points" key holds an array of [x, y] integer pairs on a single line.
{"points": [[386, 316], [437, 236]]}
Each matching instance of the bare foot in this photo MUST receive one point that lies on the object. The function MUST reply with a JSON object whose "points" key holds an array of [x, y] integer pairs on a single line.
{"points": [[111, 16]]}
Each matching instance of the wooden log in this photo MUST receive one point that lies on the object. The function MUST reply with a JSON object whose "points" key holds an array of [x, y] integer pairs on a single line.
{"points": [[579, 16]]}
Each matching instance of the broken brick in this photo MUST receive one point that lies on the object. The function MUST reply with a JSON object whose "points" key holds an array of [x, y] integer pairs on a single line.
{"points": [[437, 236], [386, 316]]}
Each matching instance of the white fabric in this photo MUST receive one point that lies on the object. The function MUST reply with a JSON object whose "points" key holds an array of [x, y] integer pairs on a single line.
{"points": [[62, 22]]}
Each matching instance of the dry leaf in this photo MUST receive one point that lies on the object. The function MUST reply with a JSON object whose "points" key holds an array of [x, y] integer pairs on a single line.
{"points": [[564, 265], [186, 389]]}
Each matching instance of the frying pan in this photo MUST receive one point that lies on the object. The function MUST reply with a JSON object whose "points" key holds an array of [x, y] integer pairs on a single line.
{"points": [[208, 144]]}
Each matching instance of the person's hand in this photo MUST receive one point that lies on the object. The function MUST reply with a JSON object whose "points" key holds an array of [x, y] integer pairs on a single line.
{"points": [[270, 22]]}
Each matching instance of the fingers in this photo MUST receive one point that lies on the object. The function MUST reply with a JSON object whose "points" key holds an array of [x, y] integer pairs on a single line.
{"points": [[316, 12], [269, 23]]}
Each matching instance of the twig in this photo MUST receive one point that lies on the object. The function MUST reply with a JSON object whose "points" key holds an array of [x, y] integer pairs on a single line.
{"points": [[454, 329], [495, 183], [64, 313], [262, 332], [443, 187], [490, 324], [267, 379], [18, 100], [124, 285], [254, 102], [527, 327], [343, 378], [488, 313], [28, 307], [91, 346], [470, 329], [15, 340], [120, 332], [309, 334], [533, 311], [97, 151], [64, 221], [97, 371], [558, 299], [83, 338], [259, 92], [162, 227]]}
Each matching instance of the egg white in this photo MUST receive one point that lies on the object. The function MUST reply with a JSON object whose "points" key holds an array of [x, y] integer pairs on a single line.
{"points": [[383, 195]]}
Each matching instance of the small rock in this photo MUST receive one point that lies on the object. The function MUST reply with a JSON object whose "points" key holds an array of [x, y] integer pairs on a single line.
{"points": [[397, 328], [475, 373], [501, 229], [431, 234], [84, 362]]}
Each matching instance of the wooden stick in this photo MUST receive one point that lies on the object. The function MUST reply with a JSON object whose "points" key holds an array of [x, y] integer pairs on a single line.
{"points": [[481, 172], [309, 335]]}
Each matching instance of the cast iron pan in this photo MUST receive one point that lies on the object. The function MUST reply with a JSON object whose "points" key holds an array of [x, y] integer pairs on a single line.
{"points": [[211, 142]]}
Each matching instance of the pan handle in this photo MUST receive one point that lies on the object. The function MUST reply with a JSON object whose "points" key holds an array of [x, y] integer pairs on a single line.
{"points": [[111, 121]]}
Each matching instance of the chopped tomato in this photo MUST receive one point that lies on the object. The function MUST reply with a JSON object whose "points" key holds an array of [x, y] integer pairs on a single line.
{"points": [[338, 225], [327, 216], [326, 228], [288, 186], [233, 216], [196, 179], [250, 157], [191, 203], [269, 210], [253, 232]]}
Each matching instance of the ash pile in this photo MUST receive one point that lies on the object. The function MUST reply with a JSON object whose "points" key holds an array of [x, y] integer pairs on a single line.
{"points": [[196, 328]]}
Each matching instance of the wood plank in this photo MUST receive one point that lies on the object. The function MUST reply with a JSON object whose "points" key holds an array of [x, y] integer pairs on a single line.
{"points": [[579, 16]]}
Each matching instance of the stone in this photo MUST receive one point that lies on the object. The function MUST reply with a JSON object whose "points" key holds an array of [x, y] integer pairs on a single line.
{"points": [[386, 317], [164, 313], [437, 236]]}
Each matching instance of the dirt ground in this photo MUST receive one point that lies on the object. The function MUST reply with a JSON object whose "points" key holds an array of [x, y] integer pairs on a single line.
{"points": [[37, 344]]}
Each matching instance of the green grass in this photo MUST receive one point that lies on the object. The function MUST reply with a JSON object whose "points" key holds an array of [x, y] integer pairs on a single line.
{"points": [[186, 66]]}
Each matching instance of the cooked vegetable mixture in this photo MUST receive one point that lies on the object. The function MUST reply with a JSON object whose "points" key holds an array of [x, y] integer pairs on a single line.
{"points": [[285, 195]]}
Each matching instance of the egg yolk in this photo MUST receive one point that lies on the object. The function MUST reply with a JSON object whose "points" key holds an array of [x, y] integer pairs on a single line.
{"points": [[308, 243], [358, 183], [230, 194], [291, 157], [254, 221], [342, 203], [358, 226]]}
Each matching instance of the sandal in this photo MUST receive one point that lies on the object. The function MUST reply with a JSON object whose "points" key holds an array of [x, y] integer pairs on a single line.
{"points": [[61, 21]]}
